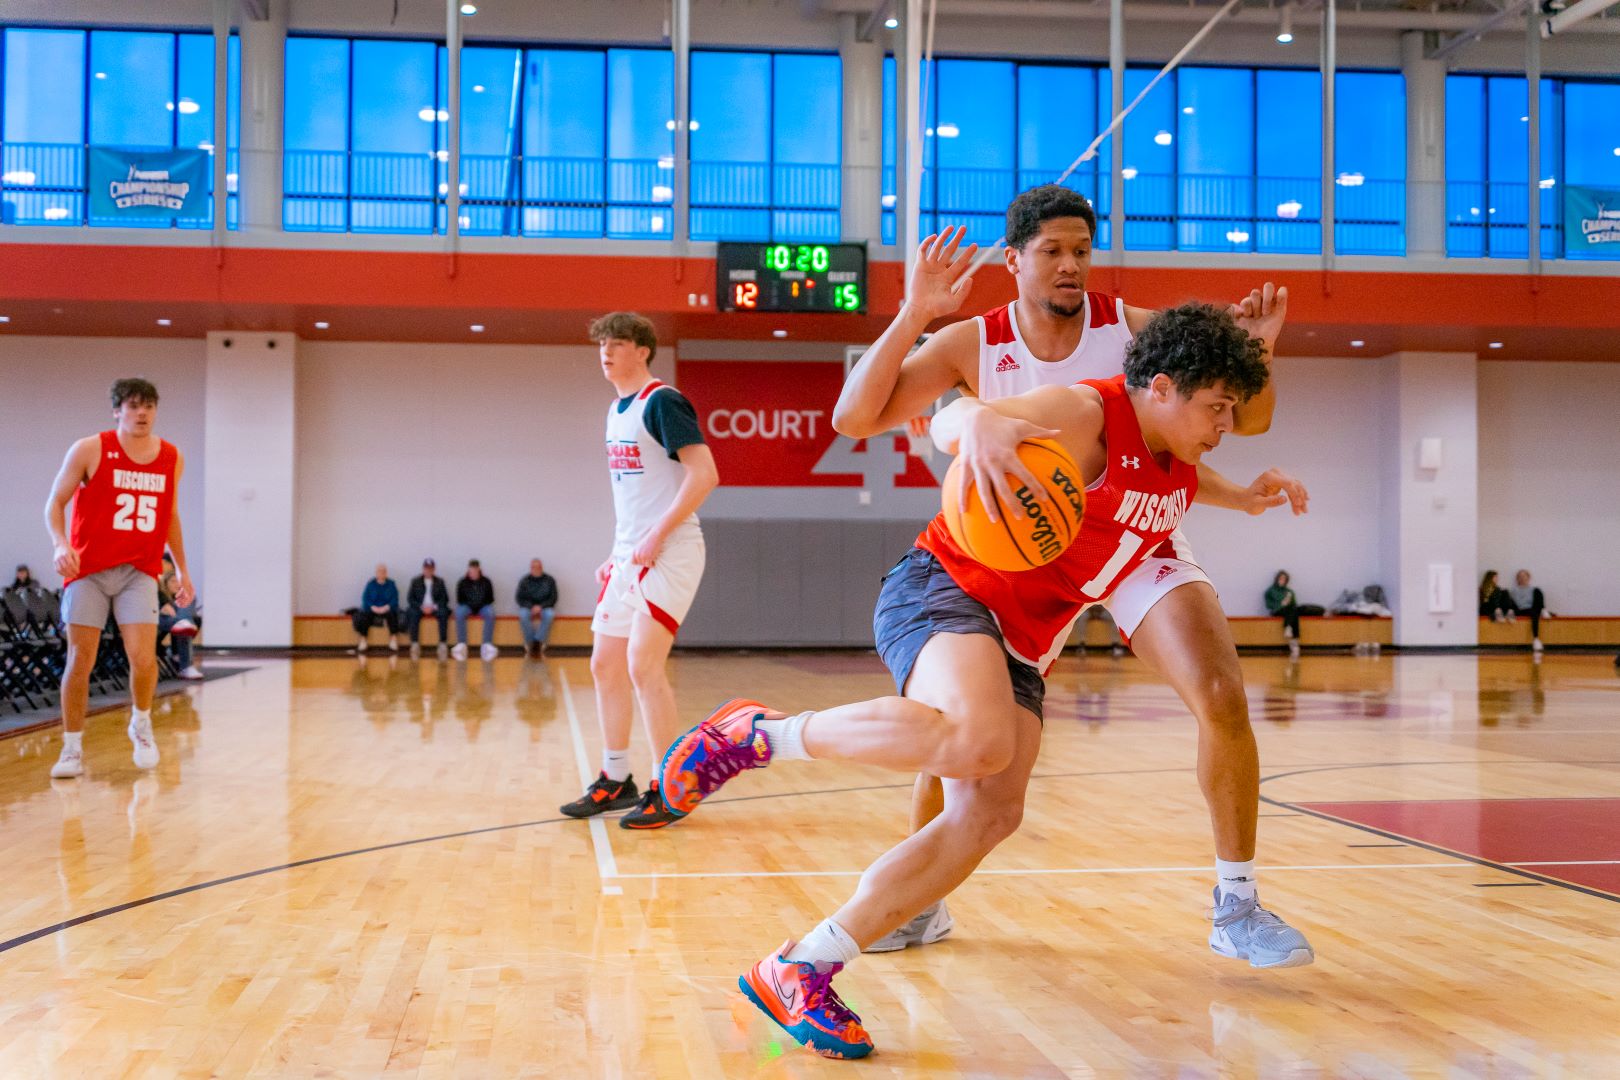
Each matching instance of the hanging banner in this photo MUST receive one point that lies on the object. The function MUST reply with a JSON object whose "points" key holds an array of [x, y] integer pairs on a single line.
{"points": [[148, 184], [1591, 223]]}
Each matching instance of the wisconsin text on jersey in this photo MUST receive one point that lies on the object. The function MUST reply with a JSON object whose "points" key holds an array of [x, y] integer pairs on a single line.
{"points": [[1151, 513], [129, 480]]}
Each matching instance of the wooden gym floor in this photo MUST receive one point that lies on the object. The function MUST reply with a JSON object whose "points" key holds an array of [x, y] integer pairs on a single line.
{"points": [[356, 868]]}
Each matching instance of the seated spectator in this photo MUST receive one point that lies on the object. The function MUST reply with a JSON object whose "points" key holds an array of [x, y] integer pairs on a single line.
{"points": [[537, 607], [1527, 600], [1280, 601], [427, 596], [1494, 601], [178, 624], [24, 581], [379, 606], [1097, 611], [475, 594]]}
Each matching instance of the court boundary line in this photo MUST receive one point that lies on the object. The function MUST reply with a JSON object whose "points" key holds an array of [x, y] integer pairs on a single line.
{"points": [[93, 916], [1438, 849], [607, 867]]}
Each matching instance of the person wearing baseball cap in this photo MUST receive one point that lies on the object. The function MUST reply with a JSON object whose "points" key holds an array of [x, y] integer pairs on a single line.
{"points": [[428, 596]]}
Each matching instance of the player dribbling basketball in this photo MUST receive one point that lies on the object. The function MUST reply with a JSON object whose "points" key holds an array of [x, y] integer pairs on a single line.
{"points": [[967, 647]]}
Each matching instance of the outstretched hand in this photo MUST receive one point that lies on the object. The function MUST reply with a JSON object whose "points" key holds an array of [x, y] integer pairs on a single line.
{"points": [[988, 453], [1263, 312], [1274, 488], [940, 281]]}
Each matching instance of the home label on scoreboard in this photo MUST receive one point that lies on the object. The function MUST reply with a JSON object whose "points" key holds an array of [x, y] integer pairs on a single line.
{"points": [[791, 277]]}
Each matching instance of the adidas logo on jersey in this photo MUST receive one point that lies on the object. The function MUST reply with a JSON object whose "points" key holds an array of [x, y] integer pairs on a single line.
{"points": [[1007, 364], [1164, 572]]}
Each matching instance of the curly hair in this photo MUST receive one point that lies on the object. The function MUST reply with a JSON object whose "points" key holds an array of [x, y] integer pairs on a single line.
{"points": [[138, 391], [1038, 204], [1198, 345], [626, 326]]}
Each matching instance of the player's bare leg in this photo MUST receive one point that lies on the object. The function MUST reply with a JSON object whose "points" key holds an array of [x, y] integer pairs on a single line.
{"points": [[83, 644], [647, 660], [140, 645], [614, 788]]}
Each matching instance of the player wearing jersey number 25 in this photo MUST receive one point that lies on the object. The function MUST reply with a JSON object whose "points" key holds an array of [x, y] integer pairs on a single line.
{"points": [[967, 647]]}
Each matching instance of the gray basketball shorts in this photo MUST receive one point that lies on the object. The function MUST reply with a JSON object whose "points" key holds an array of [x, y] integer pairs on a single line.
{"points": [[131, 597]]}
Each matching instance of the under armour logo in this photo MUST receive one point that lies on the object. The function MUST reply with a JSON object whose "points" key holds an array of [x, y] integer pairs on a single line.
{"points": [[1007, 364], [113, 455], [1128, 462]]}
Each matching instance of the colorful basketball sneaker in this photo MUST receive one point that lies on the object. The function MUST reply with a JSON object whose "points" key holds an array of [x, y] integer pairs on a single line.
{"points": [[1244, 930], [698, 763], [802, 1000]]}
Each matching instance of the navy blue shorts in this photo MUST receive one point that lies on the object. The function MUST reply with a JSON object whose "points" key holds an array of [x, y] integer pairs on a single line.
{"points": [[920, 599]]}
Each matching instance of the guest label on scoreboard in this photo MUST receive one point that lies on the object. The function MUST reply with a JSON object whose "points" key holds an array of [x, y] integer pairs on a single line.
{"points": [[791, 277]]}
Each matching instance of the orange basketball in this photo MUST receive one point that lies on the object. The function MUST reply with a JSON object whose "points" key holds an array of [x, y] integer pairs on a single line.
{"points": [[1027, 535]]}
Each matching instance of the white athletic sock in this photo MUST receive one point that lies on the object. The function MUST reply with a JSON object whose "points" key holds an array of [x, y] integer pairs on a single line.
{"points": [[826, 945], [73, 740], [616, 763], [1235, 878], [787, 737], [140, 714]]}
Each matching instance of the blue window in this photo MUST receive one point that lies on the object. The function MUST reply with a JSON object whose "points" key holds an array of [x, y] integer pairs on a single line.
{"points": [[1369, 153], [65, 90], [1215, 160], [564, 167], [1487, 166], [641, 143], [1288, 162], [1053, 99], [1591, 150], [765, 146], [491, 83]]}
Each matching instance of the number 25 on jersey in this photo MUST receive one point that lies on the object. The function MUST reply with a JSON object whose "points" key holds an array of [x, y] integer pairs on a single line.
{"points": [[135, 513]]}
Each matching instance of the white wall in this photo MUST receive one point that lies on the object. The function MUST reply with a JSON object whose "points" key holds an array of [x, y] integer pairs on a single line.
{"points": [[53, 390], [1549, 479], [1321, 435], [491, 452]]}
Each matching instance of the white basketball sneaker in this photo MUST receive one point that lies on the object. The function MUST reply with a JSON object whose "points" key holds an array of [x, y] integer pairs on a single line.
{"points": [[928, 927], [459, 651], [69, 765], [1244, 930], [141, 737], [488, 650]]}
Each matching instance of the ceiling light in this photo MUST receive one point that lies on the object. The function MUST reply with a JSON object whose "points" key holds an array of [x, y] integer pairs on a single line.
{"points": [[1290, 209], [477, 328], [323, 326], [1237, 236], [5, 318], [656, 223], [19, 177], [1128, 172], [1351, 179], [1163, 138], [891, 22], [101, 74], [55, 213], [479, 89], [778, 333], [469, 9], [1617, 151], [1187, 110], [1524, 119], [1356, 343], [1496, 344], [948, 131], [662, 193], [425, 114], [1285, 25], [1548, 183], [165, 322]]}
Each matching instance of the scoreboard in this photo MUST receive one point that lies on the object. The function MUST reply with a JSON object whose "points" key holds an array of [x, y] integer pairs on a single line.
{"points": [[791, 277]]}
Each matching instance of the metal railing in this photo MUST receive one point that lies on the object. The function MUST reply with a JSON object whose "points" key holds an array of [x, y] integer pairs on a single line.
{"points": [[48, 184]]}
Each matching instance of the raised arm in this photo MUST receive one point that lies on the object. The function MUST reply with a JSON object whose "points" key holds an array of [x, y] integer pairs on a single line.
{"points": [[81, 458], [886, 388], [1271, 488]]}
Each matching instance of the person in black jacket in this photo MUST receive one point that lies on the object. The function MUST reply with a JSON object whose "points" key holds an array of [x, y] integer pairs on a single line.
{"points": [[475, 595], [427, 596], [537, 607]]}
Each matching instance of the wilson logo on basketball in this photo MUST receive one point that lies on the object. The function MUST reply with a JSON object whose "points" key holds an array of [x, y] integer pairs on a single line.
{"points": [[1041, 533], [1007, 364]]}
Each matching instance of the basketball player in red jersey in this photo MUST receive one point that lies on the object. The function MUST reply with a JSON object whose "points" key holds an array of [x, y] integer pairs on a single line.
{"points": [[1055, 334], [122, 485], [968, 647]]}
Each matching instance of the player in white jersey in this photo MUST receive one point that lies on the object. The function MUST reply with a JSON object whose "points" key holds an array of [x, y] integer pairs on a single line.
{"points": [[661, 473], [1055, 334]]}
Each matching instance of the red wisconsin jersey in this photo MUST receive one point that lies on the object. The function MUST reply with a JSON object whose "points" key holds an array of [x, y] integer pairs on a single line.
{"points": [[1131, 509], [121, 515]]}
